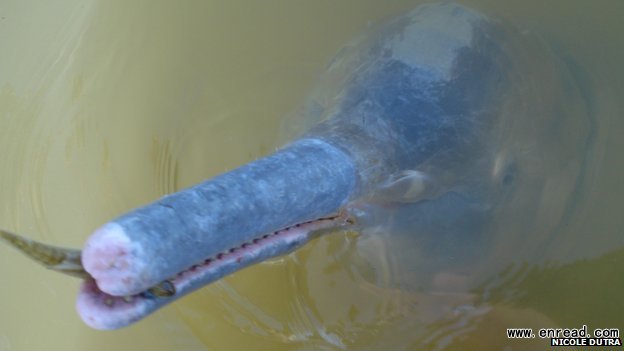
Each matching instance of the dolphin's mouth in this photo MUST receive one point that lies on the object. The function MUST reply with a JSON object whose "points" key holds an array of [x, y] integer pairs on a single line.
{"points": [[160, 252], [102, 310]]}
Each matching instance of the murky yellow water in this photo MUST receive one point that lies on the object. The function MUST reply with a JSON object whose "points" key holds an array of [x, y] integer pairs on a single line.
{"points": [[108, 105]]}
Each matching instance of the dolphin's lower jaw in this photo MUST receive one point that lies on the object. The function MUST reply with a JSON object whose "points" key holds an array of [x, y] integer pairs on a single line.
{"points": [[100, 310]]}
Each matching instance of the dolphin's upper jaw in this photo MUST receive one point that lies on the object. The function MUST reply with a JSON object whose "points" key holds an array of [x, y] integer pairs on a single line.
{"points": [[105, 303]]}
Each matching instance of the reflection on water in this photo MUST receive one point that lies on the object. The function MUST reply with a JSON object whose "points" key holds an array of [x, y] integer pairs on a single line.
{"points": [[106, 106]]}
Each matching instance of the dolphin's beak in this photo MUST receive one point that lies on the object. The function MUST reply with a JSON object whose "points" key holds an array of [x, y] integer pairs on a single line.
{"points": [[158, 253]]}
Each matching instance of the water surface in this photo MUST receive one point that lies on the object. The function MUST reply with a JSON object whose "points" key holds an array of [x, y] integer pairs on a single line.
{"points": [[105, 106]]}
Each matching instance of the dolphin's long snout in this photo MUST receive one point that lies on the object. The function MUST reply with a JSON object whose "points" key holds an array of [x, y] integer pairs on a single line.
{"points": [[264, 209]]}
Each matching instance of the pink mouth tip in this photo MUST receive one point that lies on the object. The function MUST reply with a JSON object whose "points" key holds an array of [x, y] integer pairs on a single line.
{"points": [[113, 261], [104, 312]]}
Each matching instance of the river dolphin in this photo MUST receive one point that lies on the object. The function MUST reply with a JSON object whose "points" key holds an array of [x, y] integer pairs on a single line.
{"points": [[417, 117]]}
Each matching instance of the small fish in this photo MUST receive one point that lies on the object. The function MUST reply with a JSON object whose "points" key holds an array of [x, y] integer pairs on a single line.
{"points": [[68, 261], [60, 259]]}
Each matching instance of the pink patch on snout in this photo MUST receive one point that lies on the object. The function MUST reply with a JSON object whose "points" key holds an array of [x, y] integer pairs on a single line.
{"points": [[111, 258]]}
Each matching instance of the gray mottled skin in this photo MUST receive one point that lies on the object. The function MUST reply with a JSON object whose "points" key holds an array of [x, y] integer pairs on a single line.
{"points": [[412, 102], [306, 180], [407, 101], [411, 98], [432, 92], [426, 88]]}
